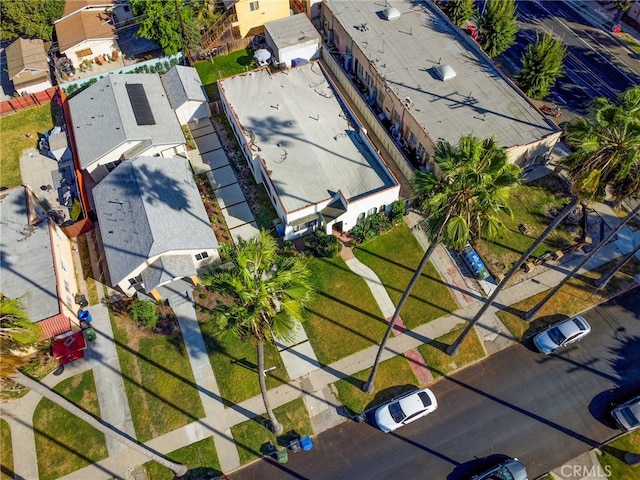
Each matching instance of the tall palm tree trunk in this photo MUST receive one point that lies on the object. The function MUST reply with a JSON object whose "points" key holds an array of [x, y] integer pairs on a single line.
{"points": [[530, 314], [455, 346], [369, 384], [604, 279], [276, 426], [177, 468]]}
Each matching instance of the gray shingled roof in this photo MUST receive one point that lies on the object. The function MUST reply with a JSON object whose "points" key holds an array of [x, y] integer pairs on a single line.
{"points": [[26, 259], [183, 84], [103, 118], [147, 207]]}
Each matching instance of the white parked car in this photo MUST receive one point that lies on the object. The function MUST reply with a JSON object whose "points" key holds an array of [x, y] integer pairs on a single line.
{"points": [[627, 415], [405, 409], [561, 334]]}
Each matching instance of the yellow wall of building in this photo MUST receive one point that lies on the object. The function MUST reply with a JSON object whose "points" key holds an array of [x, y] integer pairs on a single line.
{"points": [[264, 11]]}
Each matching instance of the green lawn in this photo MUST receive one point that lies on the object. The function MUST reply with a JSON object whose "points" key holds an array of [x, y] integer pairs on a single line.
{"points": [[440, 363], [530, 205], [64, 443], [613, 453], [394, 377], [157, 378], [250, 436], [6, 452], [14, 129], [223, 66], [199, 457], [344, 318], [235, 366], [574, 297], [394, 257]]}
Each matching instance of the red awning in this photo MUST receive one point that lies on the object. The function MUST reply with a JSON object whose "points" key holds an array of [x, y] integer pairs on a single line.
{"points": [[55, 325]]}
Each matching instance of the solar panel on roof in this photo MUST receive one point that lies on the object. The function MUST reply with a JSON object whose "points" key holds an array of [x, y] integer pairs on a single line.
{"points": [[140, 104]]}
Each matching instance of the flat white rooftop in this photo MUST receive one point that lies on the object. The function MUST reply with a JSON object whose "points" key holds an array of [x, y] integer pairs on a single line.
{"points": [[407, 50], [305, 137]]}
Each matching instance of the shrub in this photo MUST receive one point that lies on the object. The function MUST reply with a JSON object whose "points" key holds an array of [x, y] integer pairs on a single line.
{"points": [[144, 312], [397, 212], [371, 226], [322, 245], [76, 210]]}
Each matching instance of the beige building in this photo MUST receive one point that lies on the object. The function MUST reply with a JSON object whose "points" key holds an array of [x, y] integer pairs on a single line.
{"points": [[253, 14], [425, 80]]}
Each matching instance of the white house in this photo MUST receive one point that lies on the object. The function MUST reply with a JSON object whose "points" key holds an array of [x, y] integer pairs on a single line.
{"points": [[307, 148], [186, 94], [27, 66], [120, 117], [293, 39], [153, 225]]}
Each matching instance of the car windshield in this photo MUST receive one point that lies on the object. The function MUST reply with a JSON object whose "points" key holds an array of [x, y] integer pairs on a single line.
{"points": [[629, 417], [501, 474], [396, 412], [426, 400], [556, 336]]}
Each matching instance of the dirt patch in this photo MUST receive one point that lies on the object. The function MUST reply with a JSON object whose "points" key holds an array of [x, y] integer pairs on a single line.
{"points": [[205, 300], [167, 322], [212, 208]]}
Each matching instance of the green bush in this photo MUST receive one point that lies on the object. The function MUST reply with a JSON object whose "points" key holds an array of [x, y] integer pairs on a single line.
{"points": [[397, 212], [372, 226], [144, 312], [76, 210], [322, 245]]}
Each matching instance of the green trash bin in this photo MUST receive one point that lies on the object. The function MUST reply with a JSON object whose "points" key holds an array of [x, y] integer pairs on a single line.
{"points": [[282, 455], [89, 334]]}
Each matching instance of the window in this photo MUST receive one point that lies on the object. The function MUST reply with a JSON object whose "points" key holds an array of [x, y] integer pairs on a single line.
{"points": [[360, 219], [202, 256], [380, 97], [304, 226], [372, 211], [396, 117], [133, 281], [367, 79], [360, 70], [420, 152], [67, 287], [63, 264], [383, 208], [253, 6], [412, 140]]}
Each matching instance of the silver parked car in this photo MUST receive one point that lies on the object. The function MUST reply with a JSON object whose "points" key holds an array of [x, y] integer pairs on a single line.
{"points": [[405, 409], [627, 415], [561, 334], [510, 469]]}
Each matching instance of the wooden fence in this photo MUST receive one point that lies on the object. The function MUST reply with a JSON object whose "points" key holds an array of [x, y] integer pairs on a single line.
{"points": [[27, 101]]}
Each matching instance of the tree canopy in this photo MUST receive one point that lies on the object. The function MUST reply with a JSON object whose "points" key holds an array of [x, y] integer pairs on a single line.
{"points": [[459, 11], [17, 333], [606, 148], [160, 23], [541, 66], [29, 18], [498, 26]]}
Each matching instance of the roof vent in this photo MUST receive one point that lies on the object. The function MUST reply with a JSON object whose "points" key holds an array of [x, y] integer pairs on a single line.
{"points": [[445, 72], [391, 13]]}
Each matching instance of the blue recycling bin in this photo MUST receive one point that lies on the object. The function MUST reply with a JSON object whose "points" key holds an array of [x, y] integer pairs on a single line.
{"points": [[85, 315], [306, 443]]}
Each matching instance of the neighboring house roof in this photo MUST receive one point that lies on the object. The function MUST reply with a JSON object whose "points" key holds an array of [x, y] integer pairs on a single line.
{"points": [[82, 26], [147, 207], [293, 30], [26, 55], [72, 6], [26, 258], [103, 116], [406, 51], [182, 85], [304, 136]]}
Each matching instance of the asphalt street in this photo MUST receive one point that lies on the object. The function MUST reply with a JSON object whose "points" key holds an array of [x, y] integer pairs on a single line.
{"points": [[544, 410], [597, 63]]}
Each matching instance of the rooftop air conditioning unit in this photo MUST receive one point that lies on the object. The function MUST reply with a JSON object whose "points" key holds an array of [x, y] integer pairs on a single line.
{"points": [[445, 72], [391, 13]]}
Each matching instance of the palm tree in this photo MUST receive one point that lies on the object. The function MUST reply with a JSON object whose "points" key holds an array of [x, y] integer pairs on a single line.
{"points": [[461, 203], [498, 26], [453, 348], [541, 66], [459, 11], [606, 159], [266, 294], [16, 334]]}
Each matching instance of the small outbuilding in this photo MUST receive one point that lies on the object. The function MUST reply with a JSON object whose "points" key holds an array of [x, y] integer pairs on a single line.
{"points": [[293, 38], [27, 66], [186, 94]]}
